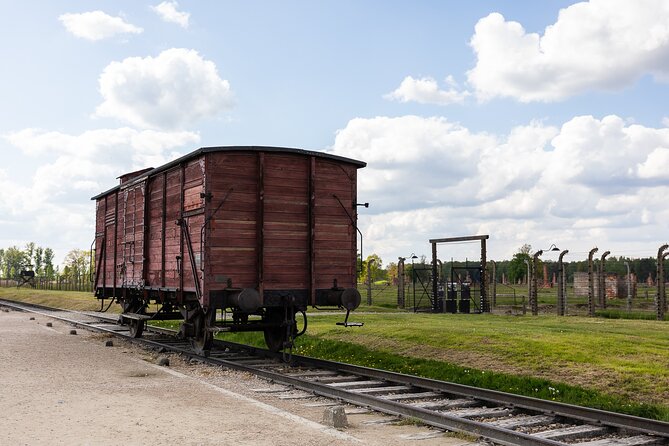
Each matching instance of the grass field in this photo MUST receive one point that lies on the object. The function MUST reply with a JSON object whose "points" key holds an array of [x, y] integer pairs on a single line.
{"points": [[613, 364]]}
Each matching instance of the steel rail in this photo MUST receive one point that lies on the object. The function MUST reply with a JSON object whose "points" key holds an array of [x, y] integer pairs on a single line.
{"points": [[598, 416], [591, 415], [438, 419]]}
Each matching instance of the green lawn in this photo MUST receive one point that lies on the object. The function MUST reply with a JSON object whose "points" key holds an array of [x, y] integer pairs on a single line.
{"points": [[72, 300], [625, 357]]}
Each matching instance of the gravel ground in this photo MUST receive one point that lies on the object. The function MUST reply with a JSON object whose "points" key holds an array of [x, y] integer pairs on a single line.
{"points": [[63, 389]]}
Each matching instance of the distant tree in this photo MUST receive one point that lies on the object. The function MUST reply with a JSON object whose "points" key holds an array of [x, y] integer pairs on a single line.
{"points": [[645, 268], [391, 271], [14, 261], [49, 270], [517, 265], [38, 260], [30, 252], [375, 268], [77, 263]]}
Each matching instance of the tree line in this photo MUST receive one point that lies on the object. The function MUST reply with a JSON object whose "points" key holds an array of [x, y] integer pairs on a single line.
{"points": [[513, 270], [40, 259]]}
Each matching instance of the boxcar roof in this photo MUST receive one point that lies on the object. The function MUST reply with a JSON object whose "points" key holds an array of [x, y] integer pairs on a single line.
{"points": [[204, 150]]}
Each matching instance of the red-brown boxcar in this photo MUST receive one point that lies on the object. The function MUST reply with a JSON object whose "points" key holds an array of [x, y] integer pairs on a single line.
{"points": [[258, 233]]}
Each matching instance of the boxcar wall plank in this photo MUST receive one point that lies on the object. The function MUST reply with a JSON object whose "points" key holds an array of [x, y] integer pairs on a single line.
{"points": [[219, 187], [288, 259], [285, 217], [155, 253], [286, 220], [244, 221], [279, 225], [291, 187], [334, 231], [172, 241], [193, 198], [231, 238], [221, 256], [231, 241]]}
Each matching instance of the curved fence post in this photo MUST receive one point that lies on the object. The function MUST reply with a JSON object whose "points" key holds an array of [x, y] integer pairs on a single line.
{"points": [[562, 285], [591, 284], [601, 290], [534, 303], [660, 300]]}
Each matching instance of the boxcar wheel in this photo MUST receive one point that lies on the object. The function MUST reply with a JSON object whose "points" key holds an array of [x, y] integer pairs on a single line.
{"points": [[203, 340], [202, 344], [136, 327], [276, 336]]}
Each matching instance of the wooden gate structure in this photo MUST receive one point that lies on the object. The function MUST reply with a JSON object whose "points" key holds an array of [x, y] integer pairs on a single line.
{"points": [[484, 305]]}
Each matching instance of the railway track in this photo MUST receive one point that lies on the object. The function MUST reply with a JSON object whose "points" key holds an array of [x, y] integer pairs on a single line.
{"points": [[497, 417]]}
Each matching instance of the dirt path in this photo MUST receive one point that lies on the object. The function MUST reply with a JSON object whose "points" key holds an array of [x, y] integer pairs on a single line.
{"points": [[62, 389]]}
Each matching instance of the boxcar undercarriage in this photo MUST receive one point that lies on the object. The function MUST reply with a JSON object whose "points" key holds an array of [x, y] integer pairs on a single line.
{"points": [[231, 310]]}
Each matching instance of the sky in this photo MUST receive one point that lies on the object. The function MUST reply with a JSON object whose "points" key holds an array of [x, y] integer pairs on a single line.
{"points": [[536, 123]]}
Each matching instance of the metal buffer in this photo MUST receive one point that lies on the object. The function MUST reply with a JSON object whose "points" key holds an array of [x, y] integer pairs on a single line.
{"points": [[591, 284]]}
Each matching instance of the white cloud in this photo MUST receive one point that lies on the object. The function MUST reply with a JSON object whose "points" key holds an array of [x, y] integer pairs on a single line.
{"points": [[96, 25], [73, 167], [124, 145], [52, 205], [426, 91], [595, 45], [168, 12], [591, 181], [171, 90], [410, 153], [656, 165]]}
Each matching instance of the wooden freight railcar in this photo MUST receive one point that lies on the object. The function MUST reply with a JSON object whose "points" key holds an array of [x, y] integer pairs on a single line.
{"points": [[230, 239]]}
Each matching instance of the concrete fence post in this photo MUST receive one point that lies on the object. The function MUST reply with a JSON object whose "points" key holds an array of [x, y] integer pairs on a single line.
{"points": [[602, 280], [493, 284], [400, 282], [369, 281], [561, 282], [660, 282], [534, 301], [591, 284], [529, 274], [629, 287]]}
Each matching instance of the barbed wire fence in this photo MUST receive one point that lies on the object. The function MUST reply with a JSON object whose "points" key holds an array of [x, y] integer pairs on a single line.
{"points": [[619, 296], [81, 283]]}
